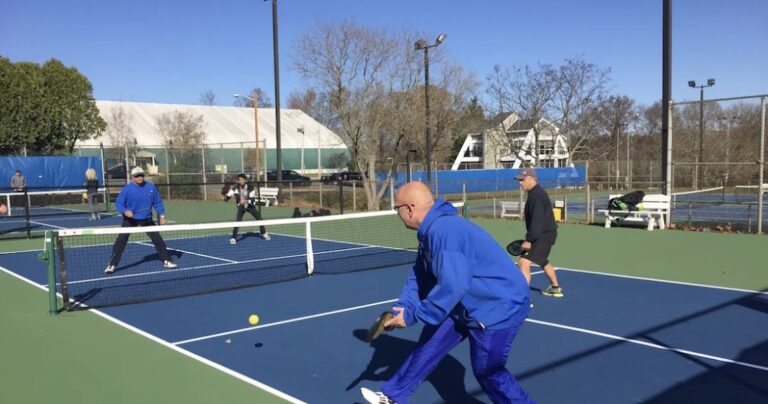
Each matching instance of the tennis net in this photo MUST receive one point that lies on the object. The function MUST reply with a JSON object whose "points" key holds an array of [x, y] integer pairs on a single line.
{"points": [[748, 193], [51, 202], [709, 195], [208, 262]]}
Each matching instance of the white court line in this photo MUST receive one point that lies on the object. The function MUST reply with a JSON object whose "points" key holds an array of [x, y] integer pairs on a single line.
{"points": [[144, 243], [648, 344], [698, 285], [293, 320], [205, 337], [182, 351]]}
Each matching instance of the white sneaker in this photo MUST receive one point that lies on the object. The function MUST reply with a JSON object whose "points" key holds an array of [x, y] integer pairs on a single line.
{"points": [[168, 264], [265, 236], [110, 269], [233, 241], [375, 397]]}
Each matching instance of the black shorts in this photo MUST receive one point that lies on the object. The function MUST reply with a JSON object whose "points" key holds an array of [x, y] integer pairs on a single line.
{"points": [[540, 249]]}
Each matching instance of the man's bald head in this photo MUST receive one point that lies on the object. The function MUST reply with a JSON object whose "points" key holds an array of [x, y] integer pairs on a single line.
{"points": [[413, 201]]}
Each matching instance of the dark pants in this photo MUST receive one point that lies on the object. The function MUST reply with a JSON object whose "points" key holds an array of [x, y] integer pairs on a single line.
{"points": [[122, 240], [241, 212], [489, 350]]}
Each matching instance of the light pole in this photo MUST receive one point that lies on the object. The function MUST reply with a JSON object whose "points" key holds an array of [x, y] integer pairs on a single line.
{"points": [[256, 127], [422, 45], [618, 136], [278, 150], [700, 155], [626, 175]]}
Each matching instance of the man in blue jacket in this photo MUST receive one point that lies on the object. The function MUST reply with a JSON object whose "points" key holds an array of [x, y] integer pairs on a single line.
{"points": [[135, 203], [463, 285]]}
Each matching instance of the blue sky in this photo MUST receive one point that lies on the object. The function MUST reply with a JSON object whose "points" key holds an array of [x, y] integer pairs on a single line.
{"points": [[172, 51]]}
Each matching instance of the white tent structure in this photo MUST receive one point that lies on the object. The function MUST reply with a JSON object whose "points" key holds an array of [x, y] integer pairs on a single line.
{"points": [[303, 139]]}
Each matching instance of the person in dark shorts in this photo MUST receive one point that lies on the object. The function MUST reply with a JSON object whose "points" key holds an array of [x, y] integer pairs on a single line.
{"points": [[541, 231]]}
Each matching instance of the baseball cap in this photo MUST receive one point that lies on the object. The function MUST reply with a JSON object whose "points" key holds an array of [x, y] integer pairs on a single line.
{"points": [[137, 171], [525, 172]]}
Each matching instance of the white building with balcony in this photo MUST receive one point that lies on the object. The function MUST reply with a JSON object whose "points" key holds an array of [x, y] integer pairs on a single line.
{"points": [[514, 143]]}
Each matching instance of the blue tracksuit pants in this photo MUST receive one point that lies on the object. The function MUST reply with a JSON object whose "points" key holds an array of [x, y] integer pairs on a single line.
{"points": [[489, 350]]}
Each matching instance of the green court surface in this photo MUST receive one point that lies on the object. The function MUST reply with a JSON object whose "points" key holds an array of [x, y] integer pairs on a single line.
{"points": [[80, 357]]}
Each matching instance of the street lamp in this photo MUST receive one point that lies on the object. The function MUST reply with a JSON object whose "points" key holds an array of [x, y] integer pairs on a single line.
{"points": [[422, 45], [699, 158], [278, 148], [255, 125]]}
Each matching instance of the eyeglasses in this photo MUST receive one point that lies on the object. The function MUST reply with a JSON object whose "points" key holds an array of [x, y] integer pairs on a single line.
{"points": [[138, 175], [397, 207]]}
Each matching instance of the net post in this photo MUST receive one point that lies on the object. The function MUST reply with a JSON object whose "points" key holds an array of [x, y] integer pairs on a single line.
{"points": [[50, 259], [310, 252], [62, 272], [27, 202]]}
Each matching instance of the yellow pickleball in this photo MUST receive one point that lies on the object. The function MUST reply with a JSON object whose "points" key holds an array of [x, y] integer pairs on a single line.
{"points": [[253, 319]]}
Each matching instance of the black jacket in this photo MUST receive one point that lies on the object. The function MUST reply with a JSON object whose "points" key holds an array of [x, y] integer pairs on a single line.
{"points": [[92, 186], [539, 217]]}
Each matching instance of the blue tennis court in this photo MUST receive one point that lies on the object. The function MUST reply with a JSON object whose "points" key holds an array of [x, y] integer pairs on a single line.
{"points": [[611, 339]]}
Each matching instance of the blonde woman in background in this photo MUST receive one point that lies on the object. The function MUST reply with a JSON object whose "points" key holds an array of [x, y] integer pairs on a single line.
{"points": [[92, 189]]}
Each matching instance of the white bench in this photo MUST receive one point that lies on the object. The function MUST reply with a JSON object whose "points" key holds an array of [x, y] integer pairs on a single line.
{"points": [[510, 209], [267, 195], [653, 210]]}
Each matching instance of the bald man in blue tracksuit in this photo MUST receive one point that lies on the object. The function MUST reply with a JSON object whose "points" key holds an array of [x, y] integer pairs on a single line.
{"points": [[135, 203], [463, 285]]}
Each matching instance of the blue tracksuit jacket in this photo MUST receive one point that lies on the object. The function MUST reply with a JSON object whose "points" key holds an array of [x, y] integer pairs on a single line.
{"points": [[140, 200], [462, 271]]}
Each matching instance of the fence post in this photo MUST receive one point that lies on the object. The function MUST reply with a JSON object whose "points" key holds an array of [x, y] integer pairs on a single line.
{"points": [[586, 188], [760, 187], [464, 191], [392, 192], [205, 180], [354, 195]]}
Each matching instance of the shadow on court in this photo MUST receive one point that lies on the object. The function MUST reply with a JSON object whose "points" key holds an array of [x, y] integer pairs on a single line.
{"points": [[722, 384], [390, 352]]}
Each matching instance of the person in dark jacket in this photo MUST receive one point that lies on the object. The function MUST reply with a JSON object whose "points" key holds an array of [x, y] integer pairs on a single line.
{"points": [[91, 192], [135, 203], [462, 286], [245, 199], [541, 231]]}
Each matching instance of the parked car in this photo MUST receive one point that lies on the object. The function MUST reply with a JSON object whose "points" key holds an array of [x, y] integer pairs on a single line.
{"points": [[290, 175], [117, 171], [344, 178]]}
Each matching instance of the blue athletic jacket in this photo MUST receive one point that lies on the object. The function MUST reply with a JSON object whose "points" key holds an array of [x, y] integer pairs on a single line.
{"points": [[140, 200], [462, 271]]}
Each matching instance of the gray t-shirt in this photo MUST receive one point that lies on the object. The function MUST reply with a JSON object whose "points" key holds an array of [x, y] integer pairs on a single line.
{"points": [[18, 181]]}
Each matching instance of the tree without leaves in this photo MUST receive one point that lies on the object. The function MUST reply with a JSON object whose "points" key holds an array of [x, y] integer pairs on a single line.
{"points": [[350, 63], [119, 131], [207, 98], [264, 100]]}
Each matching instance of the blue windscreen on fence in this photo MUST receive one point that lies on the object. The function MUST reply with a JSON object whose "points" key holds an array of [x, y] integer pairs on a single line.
{"points": [[451, 182], [49, 173]]}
